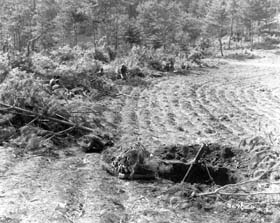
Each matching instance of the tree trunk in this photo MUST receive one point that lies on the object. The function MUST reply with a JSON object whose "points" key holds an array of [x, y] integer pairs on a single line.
{"points": [[221, 47], [34, 5], [251, 36], [117, 34], [252, 41], [231, 33], [75, 34]]}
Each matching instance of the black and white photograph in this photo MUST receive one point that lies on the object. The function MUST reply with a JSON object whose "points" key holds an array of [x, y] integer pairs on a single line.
{"points": [[139, 111]]}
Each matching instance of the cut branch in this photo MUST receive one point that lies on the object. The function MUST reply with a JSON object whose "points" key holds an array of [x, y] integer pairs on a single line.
{"points": [[196, 159], [34, 114], [255, 180], [60, 133]]}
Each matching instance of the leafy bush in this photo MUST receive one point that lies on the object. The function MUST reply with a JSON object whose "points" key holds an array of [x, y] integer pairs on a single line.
{"points": [[101, 56], [64, 54], [272, 40], [4, 61], [20, 61], [111, 53], [155, 65], [43, 64], [78, 74], [4, 66], [24, 90], [241, 56]]}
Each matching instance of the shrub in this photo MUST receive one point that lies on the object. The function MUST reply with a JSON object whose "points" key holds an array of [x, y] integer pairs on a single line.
{"points": [[86, 65], [64, 54], [24, 90], [4, 66], [155, 64], [43, 64], [79, 73], [272, 40], [20, 61], [112, 54], [101, 56], [4, 61]]}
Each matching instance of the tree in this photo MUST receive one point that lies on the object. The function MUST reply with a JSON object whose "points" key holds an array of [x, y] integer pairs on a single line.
{"points": [[71, 15], [161, 22], [233, 13], [45, 28], [255, 13], [16, 20], [217, 21], [132, 35], [197, 8], [193, 27]]}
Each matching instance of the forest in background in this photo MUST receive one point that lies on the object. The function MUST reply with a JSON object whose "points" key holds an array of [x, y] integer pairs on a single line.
{"points": [[142, 83], [58, 58], [36, 25]]}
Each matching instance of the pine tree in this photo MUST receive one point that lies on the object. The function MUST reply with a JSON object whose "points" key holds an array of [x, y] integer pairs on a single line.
{"points": [[233, 13], [217, 21], [161, 22], [255, 13], [132, 35]]}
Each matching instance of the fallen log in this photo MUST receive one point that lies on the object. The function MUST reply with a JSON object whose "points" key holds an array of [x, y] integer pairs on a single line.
{"points": [[31, 113]]}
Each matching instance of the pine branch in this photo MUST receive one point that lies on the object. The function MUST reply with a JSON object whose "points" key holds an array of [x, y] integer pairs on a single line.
{"points": [[34, 114]]}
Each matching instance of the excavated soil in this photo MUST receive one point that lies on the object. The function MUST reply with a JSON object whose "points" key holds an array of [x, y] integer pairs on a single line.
{"points": [[218, 164], [220, 106]]}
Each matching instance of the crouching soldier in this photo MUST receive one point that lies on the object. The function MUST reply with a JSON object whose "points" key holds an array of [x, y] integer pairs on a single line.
{"points": [[123, 72], [100, 72], [54, 83]]}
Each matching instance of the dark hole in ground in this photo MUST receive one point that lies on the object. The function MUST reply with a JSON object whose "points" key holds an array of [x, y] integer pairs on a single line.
{"points": [[200, 173], [218, 164]]}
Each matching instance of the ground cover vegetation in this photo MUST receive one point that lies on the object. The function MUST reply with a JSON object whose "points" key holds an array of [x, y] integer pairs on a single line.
{"points": [[66, 66]]}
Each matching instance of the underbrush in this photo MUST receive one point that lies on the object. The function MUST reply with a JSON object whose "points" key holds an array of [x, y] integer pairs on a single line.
{"points": [[4, 66], [240, 55], [42, 117], [53, 94], [269, 43]]}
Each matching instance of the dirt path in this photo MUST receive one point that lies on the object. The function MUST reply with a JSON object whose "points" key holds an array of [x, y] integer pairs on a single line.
{"points": [[225, 105]]}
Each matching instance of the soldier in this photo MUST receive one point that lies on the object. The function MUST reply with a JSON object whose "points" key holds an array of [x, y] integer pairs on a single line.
{"points": [[100, 72], [54, 83], [123, 72]]}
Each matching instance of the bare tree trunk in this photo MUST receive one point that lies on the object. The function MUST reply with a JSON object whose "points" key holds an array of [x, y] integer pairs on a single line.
{"points": [[251, 36], [116, 35], [94, 36], [31, 45], [2, 38], [231, 32], [221, 47], [75, 34], [251, 40], [34, 5]]}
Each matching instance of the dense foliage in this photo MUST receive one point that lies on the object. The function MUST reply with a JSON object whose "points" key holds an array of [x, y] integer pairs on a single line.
{"points": [[118, 24], [58, 57]]}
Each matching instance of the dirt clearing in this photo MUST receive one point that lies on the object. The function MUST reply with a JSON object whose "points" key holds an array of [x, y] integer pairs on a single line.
{"points": [[221, 107]]}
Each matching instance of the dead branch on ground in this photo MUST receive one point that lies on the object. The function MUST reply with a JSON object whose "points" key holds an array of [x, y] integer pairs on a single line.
{"points": [[255, 180], [38, 115], [196, 159]]}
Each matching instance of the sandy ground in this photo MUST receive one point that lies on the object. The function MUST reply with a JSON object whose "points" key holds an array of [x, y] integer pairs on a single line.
{"points": [[237, 100]]}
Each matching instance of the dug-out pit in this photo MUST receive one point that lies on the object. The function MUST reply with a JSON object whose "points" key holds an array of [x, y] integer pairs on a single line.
{"points": [[218, 164]]}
